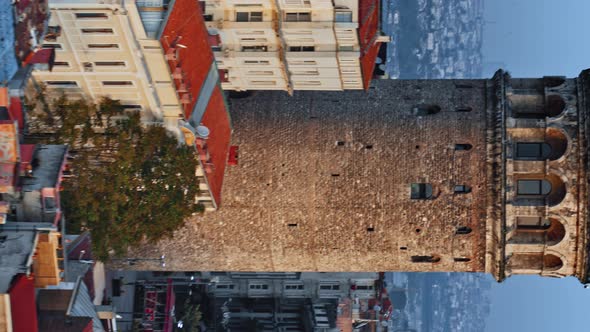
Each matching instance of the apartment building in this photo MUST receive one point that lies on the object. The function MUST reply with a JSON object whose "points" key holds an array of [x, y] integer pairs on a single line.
{"points": [[293, 44], [127, 50], [103, 49]]}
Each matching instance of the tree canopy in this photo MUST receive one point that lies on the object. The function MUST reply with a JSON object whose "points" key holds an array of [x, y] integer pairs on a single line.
{"points": [[132, 182]]}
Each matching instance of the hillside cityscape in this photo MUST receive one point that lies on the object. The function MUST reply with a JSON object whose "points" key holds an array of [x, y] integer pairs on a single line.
{"points": [[219, 165], [434, 38]]}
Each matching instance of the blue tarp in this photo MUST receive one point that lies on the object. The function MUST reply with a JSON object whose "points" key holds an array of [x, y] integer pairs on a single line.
{"points": [[8, 62]]}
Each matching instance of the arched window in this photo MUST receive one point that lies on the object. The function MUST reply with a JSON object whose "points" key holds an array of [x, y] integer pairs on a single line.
{"points": [[426, 109], [534, 262], [463, 230], [466, 147], [533, 187], [552, 263], [532, 151], [425, 259], [537, 230], [554, 105]]}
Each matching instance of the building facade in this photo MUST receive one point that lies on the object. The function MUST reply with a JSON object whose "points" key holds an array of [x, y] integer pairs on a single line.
{"points": [[439, 175], [103, 49], [294, 45]]}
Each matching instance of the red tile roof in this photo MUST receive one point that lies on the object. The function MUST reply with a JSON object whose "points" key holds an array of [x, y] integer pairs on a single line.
{"points": [[195, 60], [217, 120], [194, 56], [22, 304], [368, 33]]}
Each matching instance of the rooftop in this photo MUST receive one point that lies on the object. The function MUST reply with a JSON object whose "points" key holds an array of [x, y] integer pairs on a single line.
{"points": [[369, 30], [47, 164], [15, 251], [185, 41]]}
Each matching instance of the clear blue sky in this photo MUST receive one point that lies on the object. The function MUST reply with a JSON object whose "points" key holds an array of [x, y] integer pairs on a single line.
{"points": [[535, 38]]}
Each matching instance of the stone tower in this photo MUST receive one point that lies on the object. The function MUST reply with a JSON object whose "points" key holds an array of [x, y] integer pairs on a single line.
{"points": [[426, 175]]}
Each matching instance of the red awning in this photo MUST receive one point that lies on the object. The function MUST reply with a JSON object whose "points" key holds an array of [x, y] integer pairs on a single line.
{"points": [[44, 56], [16, 111], [170, 298], [22, 304]]}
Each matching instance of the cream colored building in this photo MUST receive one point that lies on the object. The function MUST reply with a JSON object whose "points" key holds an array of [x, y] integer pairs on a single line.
{"points": [[110, 48], [285, 44], [103, 49]]}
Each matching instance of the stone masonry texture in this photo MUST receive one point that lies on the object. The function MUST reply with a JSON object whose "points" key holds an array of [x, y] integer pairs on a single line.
{"points": [[323, 184]]}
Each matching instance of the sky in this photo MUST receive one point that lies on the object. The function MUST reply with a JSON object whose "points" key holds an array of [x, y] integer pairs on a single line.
{"points": [[533, 38]]}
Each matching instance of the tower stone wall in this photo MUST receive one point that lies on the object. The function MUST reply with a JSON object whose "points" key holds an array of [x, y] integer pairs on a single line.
{"points": [[425, 175]]}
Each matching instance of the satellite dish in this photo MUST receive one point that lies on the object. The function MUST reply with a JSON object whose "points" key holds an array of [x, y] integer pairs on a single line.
{"points": [[203, 131]]}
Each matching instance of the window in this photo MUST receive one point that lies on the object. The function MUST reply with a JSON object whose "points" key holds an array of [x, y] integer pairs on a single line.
{"points": [[49, 204], [301, 48], [463, 109], [466, 147], [131, 107], [420, 191], [62, 84], [426, 109], [294, 287], [61, 64], [264, 82], [329, 287], [117, 83], [110, 63], [224, 286], [533, 187], [256, 62], [462, 189], [364, 287], [259, 286], [463, 230], [343, 16], [345, 48], [532, 151], [249, 17], [116, 46], [208, 17], [254, 48], [54, 46], [260, 72], [298, 17], [462, 259], [425, 259], [98, 30], [224, 75], [532, 223], [102, 16]]}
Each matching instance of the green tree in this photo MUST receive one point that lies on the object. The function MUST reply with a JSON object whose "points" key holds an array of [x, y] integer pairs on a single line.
{"points": [[132, 183], [191, 317]]}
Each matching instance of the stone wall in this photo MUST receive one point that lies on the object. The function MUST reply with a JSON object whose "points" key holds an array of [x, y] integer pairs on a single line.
{"points": [[323, 183]]}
